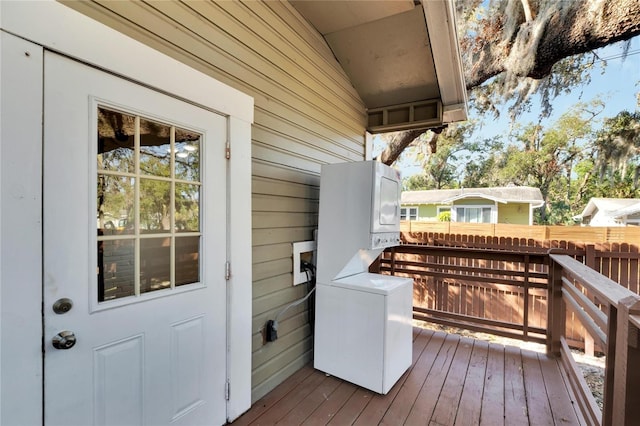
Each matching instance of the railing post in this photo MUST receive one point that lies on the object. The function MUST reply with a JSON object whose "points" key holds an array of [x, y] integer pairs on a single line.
{"points": [[609, 368], [555, 309], [525, 316], [393, 260], [374, 268], [622, 394], [590, 256]]}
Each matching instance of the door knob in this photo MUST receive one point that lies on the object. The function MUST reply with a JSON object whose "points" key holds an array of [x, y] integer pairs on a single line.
{"points": [[64, 340]]}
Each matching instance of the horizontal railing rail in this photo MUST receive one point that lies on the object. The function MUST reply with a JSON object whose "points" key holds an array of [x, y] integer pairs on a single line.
{"points": [[611, 314]]}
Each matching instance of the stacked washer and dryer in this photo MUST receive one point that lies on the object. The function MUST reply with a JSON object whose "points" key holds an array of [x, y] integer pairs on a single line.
{"points": [[363, 331]]}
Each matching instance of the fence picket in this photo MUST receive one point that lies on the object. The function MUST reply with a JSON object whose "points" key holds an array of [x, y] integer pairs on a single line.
{"points": [[634, 271]]}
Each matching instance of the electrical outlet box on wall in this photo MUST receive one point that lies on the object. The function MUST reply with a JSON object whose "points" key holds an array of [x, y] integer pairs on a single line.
{"points": [[304, 250]]}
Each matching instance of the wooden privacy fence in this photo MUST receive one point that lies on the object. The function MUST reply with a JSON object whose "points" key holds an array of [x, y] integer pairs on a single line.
{"points": [[592, 234], [499, 285]]}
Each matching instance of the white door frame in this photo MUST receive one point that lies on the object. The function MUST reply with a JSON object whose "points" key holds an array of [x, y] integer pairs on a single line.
{"points": [[51, 25]]}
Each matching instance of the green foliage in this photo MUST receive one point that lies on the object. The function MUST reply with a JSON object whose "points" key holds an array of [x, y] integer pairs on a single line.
{"points": [[546, 159], [444, 216], [571, 160], [441, 168], [415, 183], [559, 213], [617, 146]]}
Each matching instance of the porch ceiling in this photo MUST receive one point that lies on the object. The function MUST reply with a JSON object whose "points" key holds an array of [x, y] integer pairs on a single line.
{"points": [[402, 57]]}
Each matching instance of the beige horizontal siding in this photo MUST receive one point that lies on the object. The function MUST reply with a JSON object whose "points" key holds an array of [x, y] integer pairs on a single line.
{"points": [[274, 203], [281, 365], [271, 285], [283, 173], [293, 328], [306, 114], [272, 220]]}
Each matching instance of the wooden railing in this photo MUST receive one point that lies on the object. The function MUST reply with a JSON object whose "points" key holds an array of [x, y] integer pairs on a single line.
{"points": [[492, 291], [611, 314], [618, 261]]}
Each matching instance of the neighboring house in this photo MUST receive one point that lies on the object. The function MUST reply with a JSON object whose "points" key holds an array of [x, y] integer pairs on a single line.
{"points": [[610, 212], [511, 204], [216, 116]]}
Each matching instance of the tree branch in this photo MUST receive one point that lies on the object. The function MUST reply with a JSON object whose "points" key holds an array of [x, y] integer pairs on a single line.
{"points": [[396, 143], [399, 141], [562, 29], [528, 15]]}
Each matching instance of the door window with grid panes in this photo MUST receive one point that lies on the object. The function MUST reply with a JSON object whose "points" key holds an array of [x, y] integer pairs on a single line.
{"points": [[148, 205]]}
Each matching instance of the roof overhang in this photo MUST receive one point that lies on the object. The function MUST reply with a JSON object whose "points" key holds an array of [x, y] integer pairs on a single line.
{"points": [[402, 57], [627, 211]]}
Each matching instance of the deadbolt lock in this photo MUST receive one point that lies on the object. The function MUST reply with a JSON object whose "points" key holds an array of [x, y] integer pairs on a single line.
{"points": [[62, 306], [64, 340]]}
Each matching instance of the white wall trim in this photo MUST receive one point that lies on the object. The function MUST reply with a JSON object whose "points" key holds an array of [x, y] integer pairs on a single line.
{"points": [[21, 232], [61, 29], [441, 22], [241, 282]]}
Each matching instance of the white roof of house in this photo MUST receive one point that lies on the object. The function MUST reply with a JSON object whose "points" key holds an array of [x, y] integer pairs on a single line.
{"points": [[613, 207], [504, 194]]}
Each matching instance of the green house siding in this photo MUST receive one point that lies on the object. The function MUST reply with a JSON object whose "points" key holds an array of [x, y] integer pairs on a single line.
{"points": [[427, 212], [473, 202], [513, 213]]}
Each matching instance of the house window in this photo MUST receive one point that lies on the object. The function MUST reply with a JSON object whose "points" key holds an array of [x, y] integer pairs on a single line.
{"points": [[148, 205], [473, 214], [408, 213]]}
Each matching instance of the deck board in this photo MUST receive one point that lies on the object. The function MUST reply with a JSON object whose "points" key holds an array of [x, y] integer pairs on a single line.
{"points": [[537, 402], [492, 413], [428, 395], [293, 398], [472, 393], [560, 400], [515, 399], [453, 381], [334, 402], [350, 411], [273, 397], [311, 402], [403, 403], [449, 400]]}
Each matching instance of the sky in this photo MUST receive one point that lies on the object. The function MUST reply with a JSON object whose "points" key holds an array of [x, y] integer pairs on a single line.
{"points": [[618, 87]]}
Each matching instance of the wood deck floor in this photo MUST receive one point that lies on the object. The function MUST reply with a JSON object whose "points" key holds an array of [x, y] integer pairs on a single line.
{"points": [[454, 380]]}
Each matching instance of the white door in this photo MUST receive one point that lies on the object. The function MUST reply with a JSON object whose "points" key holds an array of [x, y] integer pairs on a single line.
{"points": [[135, 239]]}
